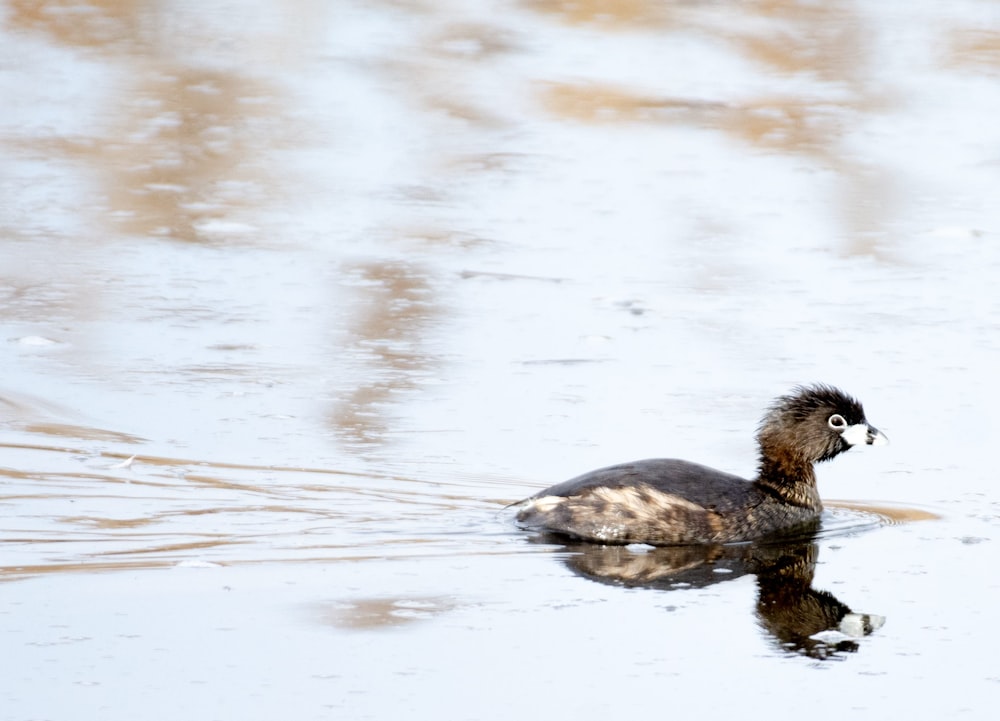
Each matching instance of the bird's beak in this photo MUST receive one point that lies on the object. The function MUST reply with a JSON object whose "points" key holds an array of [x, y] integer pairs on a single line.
{"points": [[875, 437], [861, 434]]}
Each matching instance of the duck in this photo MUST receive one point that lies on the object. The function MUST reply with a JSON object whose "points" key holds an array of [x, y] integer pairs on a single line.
{"points": [[666, 501]]}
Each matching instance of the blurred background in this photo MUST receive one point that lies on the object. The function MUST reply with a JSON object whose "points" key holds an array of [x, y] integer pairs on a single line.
{"points": [[295, 296]]}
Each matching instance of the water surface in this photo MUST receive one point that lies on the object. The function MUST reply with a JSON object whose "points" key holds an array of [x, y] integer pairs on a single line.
{"points": [[295, 297]]}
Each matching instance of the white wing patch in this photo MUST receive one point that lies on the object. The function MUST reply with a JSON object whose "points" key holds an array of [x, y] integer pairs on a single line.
{"points": [[611, 515], [546, 503], [645, 501]]}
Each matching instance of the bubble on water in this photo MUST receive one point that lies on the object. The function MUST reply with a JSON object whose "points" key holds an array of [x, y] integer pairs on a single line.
{"points": [[127, 463], [195, 563], [36, 341]]}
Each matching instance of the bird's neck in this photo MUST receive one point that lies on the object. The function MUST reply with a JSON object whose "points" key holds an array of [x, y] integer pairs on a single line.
{"points": [[789, 477]]}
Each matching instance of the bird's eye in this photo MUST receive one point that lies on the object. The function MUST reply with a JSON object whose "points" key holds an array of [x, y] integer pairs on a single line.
{"points": [[837, 422]]}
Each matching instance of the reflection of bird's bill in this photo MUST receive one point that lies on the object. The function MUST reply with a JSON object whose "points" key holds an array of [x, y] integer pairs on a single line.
{"points": [[851, 626], [858, 625]]}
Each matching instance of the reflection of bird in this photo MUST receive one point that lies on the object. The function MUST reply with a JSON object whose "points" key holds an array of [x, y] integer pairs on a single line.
{"points": [[667, 501], [798, 617]]}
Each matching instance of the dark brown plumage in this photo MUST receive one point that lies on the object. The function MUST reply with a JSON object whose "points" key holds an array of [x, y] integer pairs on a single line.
{"points": [[668, 501]]}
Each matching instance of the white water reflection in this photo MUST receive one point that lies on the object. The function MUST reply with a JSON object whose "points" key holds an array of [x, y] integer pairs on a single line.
{"points": [[347, 277]]}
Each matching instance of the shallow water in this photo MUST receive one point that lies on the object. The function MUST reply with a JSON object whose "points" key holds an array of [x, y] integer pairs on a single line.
{"points": [[295, 297]]}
